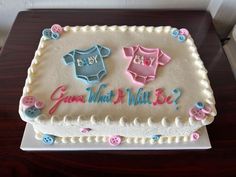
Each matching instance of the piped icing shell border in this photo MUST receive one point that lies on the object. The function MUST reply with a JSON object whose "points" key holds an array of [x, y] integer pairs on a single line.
{"points": [[125, 140], [177, 121]]}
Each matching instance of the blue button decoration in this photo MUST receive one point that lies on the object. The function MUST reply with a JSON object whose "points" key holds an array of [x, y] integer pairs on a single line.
{"points": [[89, 64], [181, 34], [175, 32], [156, 137], [199, 105], [55, 35], [48, 139], [32, 112], [47, 33], [181, 38]]}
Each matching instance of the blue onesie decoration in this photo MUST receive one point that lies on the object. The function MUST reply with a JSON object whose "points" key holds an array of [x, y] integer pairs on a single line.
{"points": [[89, 64]]}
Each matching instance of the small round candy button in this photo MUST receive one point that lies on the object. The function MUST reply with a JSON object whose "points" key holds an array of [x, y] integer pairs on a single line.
{"points": [[48, 139], [200, 115], [115, 140], [55, 35], [175, 32], [156, 137], [181, 38], [85, 130], [207, 109], [28, 101], [56, 28], [196, 113], [47, 33], [184, 31], [199, 105], [39, 104], [32, 112], [194, 136]]}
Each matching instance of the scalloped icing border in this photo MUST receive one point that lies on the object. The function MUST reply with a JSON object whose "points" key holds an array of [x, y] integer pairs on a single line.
{"points": [[151, 29]]}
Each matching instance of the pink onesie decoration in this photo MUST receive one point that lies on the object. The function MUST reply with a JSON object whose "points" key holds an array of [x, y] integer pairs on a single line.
{"points": [[144, 62]]}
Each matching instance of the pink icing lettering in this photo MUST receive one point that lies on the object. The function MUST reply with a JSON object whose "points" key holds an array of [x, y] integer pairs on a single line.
{"points": [[59, 96], [161, 98]]}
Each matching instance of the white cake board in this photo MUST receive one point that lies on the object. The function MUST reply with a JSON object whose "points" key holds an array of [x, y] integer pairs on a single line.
{"points": [[29, 143]]}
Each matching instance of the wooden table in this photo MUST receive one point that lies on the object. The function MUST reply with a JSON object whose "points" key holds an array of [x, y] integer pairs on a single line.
{"points": [[16, 57]]}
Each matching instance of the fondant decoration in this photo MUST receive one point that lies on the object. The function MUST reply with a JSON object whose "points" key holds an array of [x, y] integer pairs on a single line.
{"points": [[206, 109], [156, 137], [177, 93], [175, 32], [55, 35], [200, 111], [31, 106], [32, 112], [56, 29], [89, 64], [184, 32], [28, 101], [85, 130], [53, 32], [115, 140], [161, 98], [196, 113], [39, 104], [59, 96], [199, 105], [47, 33], [181, 38], [194, 136], [181, 34], [48, 139], [144, 62]]}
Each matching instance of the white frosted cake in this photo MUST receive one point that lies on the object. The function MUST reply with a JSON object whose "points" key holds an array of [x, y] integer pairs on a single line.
{"points": [[117, 85]]}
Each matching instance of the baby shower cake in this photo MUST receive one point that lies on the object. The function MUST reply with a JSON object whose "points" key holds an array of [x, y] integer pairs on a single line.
{"points": [[117, 85]]}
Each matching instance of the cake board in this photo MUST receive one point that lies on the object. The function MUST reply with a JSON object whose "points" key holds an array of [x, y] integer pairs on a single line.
{"points": [[29, 143]]}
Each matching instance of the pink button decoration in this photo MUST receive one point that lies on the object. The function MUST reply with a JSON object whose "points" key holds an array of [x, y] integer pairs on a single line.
{"points": [[184, 32], [56, 29], [194, 136], [39, 104], [196, 113], [206, 109], [85, 130], [115, 140], [28, 101]]}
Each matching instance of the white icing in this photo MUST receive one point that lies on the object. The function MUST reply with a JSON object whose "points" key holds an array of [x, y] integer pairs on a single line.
{"points": [[136, 122], [107, 120], [129, 121]]}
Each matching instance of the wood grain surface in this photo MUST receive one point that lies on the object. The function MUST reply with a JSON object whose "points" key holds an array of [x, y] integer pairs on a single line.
{"points": [[17, 54]]}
